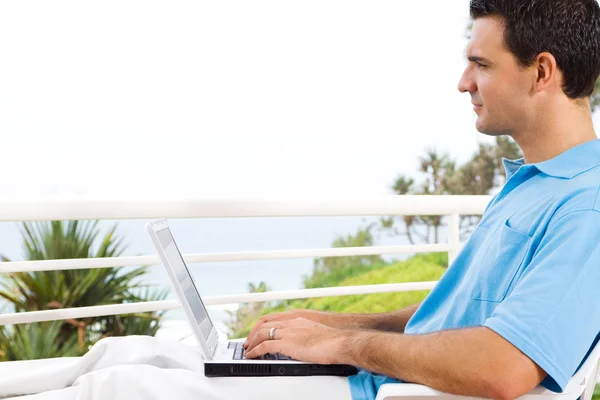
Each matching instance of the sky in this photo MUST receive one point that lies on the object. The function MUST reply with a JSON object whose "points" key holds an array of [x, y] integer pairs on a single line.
{"points": [[230, 98]]}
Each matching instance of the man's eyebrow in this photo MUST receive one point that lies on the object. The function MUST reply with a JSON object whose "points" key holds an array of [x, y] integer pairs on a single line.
{"points": [[478, 59]]}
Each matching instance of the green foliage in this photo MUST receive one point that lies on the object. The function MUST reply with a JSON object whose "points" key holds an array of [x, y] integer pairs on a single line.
{"points": [[596, 395], [35, 341], [417, 269], [326, 269], [333, 278], [31, 291]]}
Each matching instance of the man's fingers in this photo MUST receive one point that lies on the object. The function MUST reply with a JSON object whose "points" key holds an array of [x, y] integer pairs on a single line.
{"points": [[260, 336], [269, 346], [264, 334], [271, 321], [258, 326], [252, 333]]}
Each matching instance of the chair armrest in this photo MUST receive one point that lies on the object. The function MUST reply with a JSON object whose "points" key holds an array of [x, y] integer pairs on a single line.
{"points": [[404, 391], [397, 391]]}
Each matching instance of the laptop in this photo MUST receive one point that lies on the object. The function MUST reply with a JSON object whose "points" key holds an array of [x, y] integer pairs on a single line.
{"points": [[224, 358]]}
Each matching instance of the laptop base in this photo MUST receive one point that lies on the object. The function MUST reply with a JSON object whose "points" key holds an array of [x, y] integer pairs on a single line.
{"points": [[276, 369]]}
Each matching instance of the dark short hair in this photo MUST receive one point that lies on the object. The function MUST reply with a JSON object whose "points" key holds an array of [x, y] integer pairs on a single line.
{"points": [[568, 29]]}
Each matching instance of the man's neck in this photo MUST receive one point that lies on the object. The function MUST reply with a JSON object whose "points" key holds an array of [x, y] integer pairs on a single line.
{"points": [[555, 133]]}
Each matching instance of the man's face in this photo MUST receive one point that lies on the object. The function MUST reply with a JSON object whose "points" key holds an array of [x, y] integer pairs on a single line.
{"points": [[500, 89]]}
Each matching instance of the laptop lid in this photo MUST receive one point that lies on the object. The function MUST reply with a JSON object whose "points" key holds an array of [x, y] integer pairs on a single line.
{"points": [[185, 287]]}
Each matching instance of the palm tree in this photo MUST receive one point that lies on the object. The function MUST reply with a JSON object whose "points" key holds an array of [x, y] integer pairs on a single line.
{"points": [[30, 291], [437, 169], [402, 186]]}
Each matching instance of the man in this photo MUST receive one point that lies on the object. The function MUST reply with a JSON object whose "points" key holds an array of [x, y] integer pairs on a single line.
{"points": [[520, 305]]}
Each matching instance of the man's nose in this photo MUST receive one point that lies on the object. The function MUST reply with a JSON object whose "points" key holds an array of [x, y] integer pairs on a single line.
{"points": [[466, 83]]}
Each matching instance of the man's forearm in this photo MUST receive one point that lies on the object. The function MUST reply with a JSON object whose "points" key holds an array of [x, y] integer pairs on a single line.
{"points": [[472, 362], [394, 321]]}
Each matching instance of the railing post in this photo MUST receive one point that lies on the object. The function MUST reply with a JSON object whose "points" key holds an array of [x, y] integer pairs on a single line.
{"points": [[453, 237]]}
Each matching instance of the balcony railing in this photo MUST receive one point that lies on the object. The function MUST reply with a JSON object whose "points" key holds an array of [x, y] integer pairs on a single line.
{"points": [[110, 209]]}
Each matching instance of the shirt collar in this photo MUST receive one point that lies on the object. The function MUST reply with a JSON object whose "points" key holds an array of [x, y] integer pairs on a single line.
{"points": [[566, 165]]}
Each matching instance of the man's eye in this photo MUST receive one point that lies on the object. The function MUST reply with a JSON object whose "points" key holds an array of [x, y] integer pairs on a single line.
{"points": [[480, 65]]}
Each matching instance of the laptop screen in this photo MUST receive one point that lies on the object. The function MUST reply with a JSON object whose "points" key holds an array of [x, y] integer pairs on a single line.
{"points": [[185, 280]]}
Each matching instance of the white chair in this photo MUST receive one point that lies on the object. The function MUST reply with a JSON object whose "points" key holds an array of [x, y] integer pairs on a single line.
{"points": [[580, 385]]}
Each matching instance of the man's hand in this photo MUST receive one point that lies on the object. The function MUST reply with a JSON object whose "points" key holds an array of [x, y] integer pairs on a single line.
{"points": [[301, 339], [394, 321], [285, 316]]}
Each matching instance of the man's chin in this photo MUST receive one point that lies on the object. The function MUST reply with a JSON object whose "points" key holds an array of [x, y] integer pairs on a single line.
{"points": [[486, 128], [488, 132], [480, 125]]}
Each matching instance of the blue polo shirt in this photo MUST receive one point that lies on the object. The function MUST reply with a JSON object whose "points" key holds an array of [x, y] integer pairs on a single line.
{"points": [[530, 271]]}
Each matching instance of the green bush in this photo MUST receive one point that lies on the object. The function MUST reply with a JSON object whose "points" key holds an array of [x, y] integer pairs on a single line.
{"points": [[417, 269]]}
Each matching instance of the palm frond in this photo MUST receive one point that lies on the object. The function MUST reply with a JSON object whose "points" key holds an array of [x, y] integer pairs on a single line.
{"points": [[73, 288], [36, 341]]}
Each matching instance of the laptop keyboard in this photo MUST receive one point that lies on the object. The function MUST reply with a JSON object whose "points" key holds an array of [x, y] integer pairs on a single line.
{"points": [[240, 354]]}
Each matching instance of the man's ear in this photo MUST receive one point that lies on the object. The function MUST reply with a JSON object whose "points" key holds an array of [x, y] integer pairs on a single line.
{"points": [[547, 72]]}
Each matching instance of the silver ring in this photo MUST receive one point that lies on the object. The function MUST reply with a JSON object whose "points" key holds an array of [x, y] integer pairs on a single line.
{"points": [[272, 334]]}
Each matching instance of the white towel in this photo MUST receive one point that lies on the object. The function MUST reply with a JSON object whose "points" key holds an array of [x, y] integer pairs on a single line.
{"points": [[148, 368]]}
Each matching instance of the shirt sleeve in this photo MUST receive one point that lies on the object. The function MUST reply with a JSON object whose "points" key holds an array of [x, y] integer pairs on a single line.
{"points": [[553, 313]]}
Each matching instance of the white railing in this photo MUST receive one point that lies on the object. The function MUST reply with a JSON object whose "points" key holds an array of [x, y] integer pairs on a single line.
{"points": [[86, 209]]}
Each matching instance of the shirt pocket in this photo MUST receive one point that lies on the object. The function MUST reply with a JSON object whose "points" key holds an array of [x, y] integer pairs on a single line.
{"points": [[501, 261]]}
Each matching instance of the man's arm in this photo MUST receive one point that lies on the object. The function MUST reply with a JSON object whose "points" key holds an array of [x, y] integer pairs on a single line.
{"points": [[394, 321], [472, 362]]}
